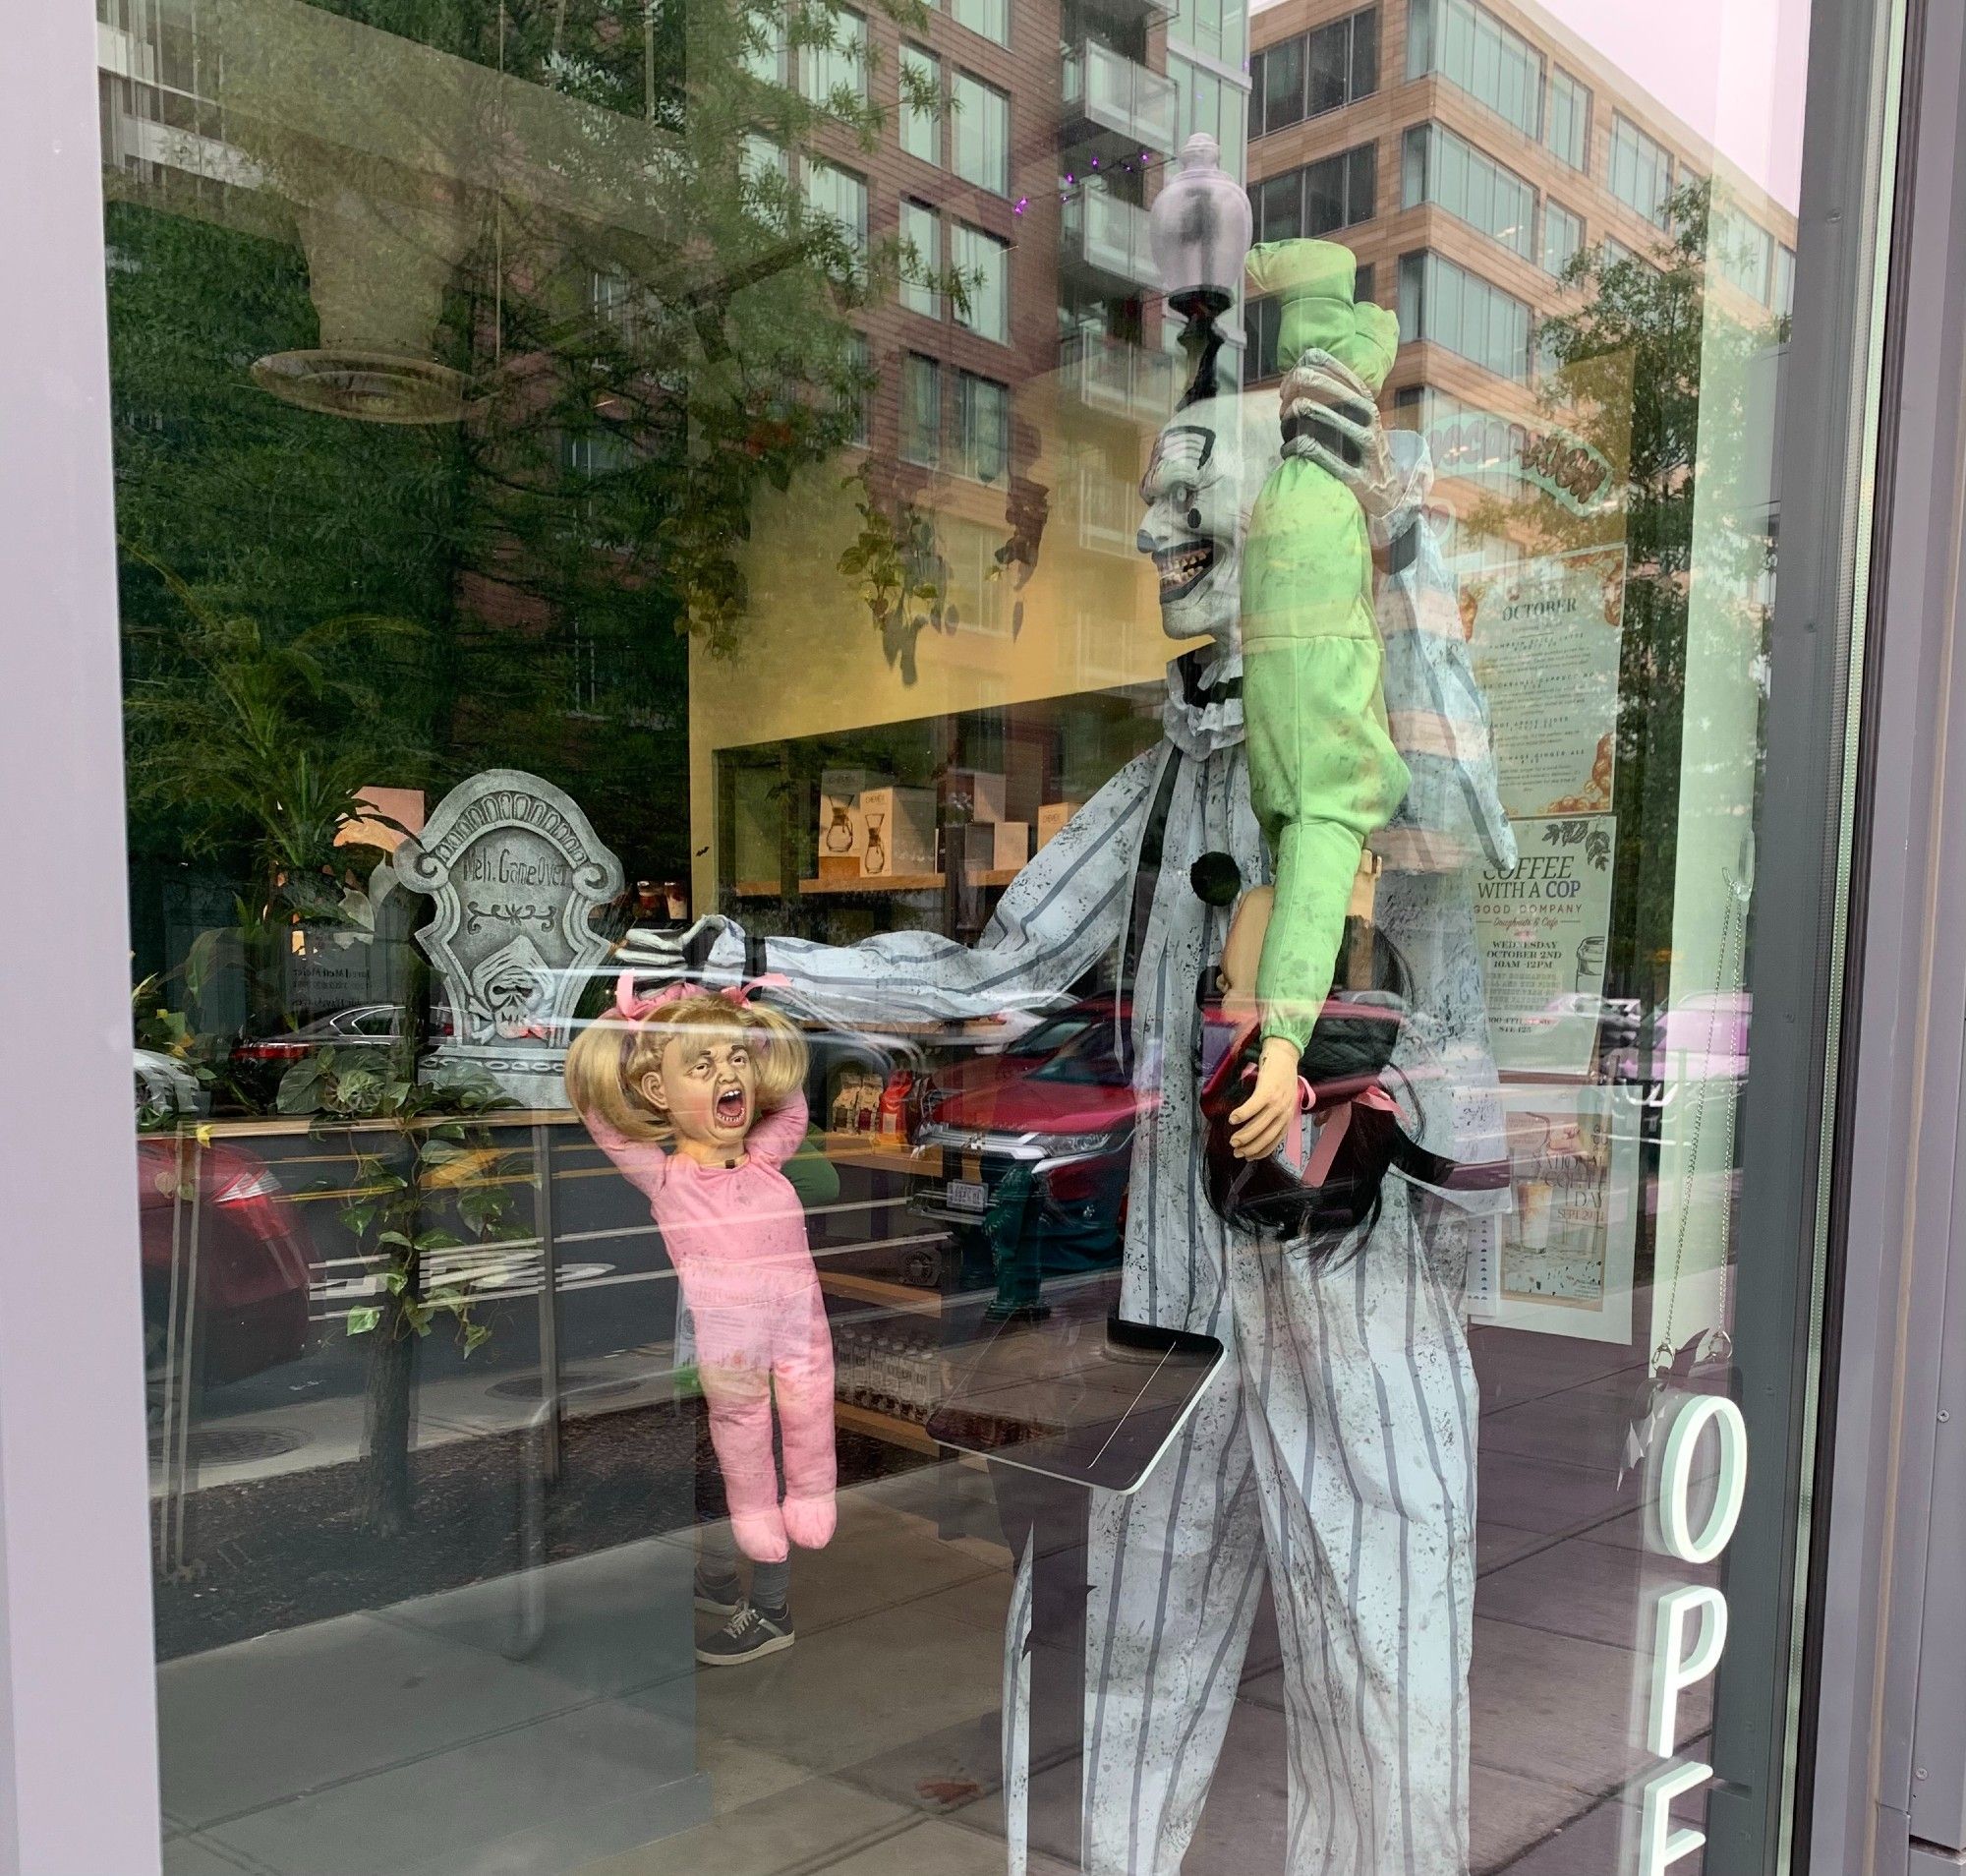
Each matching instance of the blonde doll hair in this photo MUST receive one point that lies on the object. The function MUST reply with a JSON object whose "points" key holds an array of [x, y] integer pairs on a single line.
{"points": [[609, 1060]]}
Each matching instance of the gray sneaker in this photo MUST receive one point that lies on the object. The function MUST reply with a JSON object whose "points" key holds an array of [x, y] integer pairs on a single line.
{"points": [[745, 1636]]}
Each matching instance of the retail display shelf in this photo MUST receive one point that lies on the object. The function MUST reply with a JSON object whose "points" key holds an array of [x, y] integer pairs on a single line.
{"points": [[878, 1426], [880, 1155], [889, 883], [869, 1289], [880, 883]]}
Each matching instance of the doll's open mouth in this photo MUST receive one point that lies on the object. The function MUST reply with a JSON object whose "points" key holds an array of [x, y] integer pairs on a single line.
{"points": [[1183, 568], [731, 1106]]}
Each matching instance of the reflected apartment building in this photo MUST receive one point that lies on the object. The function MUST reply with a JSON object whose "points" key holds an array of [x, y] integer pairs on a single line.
{"points": [[1009, 422], [1465, 153]]}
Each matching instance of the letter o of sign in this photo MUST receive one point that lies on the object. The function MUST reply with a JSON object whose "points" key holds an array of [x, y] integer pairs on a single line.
{"points": [[1676, 1482]]}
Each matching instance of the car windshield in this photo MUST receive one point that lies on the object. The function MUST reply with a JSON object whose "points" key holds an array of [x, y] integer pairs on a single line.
{"points": [[1098, 1054]]}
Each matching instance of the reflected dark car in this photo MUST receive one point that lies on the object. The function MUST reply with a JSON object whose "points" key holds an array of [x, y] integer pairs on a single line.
{"points": [[259, 1062], [1035, 1143], [254, 1262]]}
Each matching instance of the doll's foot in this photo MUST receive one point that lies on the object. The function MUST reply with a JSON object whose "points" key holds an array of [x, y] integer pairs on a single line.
{"points": [[760, 1534], [810, 1522]]}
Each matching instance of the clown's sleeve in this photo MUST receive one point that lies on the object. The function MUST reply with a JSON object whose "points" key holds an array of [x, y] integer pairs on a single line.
{"points": [[1054, 921], [1323, 772], [1323, 776]]}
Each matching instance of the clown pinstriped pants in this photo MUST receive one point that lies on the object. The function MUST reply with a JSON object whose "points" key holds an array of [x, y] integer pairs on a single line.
{"points": [[1335, 1450]]}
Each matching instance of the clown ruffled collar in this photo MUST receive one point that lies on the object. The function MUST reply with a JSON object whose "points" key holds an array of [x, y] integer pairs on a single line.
{"points": [[1203, 711]]}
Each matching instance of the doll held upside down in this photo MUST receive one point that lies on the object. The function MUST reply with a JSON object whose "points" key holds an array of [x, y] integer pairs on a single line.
{"points": [[721, 1078], [1323, 772]]}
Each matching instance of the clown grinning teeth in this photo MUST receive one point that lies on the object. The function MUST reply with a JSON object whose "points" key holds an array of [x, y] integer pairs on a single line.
{"points": [[1182, 566]]}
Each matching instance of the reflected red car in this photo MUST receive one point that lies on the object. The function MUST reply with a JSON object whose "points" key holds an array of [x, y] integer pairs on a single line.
{"points": [[1058, 1104], [253, 1261]]}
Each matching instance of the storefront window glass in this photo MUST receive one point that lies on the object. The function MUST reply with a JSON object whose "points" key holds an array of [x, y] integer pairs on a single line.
{"points": [[940, 981]]}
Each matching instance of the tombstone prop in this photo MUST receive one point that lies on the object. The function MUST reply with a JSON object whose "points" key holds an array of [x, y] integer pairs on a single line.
{"points": [[515, 872]]}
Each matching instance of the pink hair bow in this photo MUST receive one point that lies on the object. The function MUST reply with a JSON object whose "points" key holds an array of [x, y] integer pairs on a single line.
{"points": [[638, 1009]]}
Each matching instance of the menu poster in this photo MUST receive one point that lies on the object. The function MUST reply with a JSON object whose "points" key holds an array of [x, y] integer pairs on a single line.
{"points": [[1542, 926], [1568, 1249], [1545, 640]]}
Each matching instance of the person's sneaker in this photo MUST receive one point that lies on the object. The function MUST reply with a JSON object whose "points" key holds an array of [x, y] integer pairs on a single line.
{"points": [[749, 1633], [719, 1596]]}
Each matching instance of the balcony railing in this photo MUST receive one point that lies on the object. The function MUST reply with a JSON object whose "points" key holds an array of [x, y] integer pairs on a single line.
{"points": [[1111, 375], [1107, 94], [1108, 237], [1109, 512]]}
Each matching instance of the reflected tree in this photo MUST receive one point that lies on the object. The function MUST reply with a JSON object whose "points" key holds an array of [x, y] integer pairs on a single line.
{"points": [[1686, 349]]}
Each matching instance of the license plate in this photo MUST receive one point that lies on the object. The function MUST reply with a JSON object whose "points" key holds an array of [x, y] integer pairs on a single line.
{"points": [[965, 1195]]}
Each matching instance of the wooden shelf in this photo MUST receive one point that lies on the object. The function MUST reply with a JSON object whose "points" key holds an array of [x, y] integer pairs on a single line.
{"points": [[878, 1426], [879, 883], [878, 1155], [882, 1290], [891, 883], [755, 889]]}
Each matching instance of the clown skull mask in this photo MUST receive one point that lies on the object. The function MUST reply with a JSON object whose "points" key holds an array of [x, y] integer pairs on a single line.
{"points": [[1198, 487]]}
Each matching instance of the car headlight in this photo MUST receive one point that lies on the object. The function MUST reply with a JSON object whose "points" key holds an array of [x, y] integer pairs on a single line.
{"points": [[1073, 1145]]}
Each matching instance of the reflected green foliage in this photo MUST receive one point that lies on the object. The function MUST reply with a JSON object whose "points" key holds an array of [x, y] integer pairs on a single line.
{"points": [[1689, 360], [423, 1164], [653, 318]]}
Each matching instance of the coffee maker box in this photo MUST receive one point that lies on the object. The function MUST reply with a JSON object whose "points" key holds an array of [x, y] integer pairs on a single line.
{"points": [[975, 794], [842, 830], [899, 831], [996, 846], [1053, 815]]}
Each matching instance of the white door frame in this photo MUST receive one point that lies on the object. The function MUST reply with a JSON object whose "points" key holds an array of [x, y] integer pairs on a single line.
{"points": [[77, 1703]]}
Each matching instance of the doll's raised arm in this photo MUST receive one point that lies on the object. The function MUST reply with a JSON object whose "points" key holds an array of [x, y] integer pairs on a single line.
{"points": [[777, 1135], [643, 1164]]}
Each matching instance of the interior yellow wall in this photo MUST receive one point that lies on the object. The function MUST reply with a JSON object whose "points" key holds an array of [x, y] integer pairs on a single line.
{"points": [[810, 661]]}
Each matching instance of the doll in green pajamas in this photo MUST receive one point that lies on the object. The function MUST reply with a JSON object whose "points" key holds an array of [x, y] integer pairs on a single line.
{"points": [[1323, 772]]}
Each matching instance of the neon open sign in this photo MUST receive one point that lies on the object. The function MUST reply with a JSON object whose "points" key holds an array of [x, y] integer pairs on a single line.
{"points": [[1690, 1624]]}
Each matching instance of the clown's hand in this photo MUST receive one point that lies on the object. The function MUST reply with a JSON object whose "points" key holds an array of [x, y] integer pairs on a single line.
{"points": [[1259, 1126], [1337, 426], [663, 957]]}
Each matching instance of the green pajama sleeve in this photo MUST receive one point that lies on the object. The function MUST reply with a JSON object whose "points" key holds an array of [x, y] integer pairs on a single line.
{"points": [[1323, 772], [1323, 776]]}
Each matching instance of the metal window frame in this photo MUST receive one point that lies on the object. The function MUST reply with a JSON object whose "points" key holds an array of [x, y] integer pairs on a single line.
{"points": [[78, 1692], [1886, 1655]]}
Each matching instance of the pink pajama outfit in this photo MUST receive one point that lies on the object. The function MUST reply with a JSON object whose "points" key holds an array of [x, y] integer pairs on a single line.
{"points": [[736, 1236]]}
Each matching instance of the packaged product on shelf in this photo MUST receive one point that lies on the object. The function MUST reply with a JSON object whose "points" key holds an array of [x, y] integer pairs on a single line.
{"points": [[995, 845], [899, 826], [842, 830], [856, 1101], [978, 793], [1053, 815]]}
